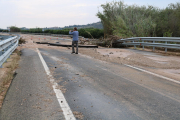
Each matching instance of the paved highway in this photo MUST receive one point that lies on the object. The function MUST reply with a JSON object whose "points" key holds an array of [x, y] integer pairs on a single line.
{"points": [[98, 90]]}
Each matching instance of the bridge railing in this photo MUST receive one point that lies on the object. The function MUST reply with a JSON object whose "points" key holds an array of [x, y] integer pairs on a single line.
{"points": [[7, 47], [163, 42]]}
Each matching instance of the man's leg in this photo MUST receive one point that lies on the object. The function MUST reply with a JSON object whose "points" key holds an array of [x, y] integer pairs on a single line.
{"points": [[73, 47], [76, 47]]}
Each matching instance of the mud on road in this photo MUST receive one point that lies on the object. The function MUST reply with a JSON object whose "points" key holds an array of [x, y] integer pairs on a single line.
{"points": [[160, 63]]}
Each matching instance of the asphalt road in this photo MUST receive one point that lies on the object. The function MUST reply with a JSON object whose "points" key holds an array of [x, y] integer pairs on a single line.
{"points": [[101, 90], [98, 90], [30, 96]]}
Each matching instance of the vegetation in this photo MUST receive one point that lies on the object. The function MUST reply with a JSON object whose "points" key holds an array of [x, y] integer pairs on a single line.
{"points": [[86, 32], [97, 25], [1, 30], [22, 41], [15, 29], [140, 21], [121, 20]]}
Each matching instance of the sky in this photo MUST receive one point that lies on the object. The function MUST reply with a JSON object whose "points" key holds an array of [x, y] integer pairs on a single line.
{"points": [[58, 13]]}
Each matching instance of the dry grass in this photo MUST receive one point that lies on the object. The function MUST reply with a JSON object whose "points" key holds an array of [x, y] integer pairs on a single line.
{"points": [[10, 67]]}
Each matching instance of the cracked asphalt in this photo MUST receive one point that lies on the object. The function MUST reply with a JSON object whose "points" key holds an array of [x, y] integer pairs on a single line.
{"points": [[94, 89]]}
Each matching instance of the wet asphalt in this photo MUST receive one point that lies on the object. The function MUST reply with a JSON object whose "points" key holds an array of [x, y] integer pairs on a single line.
{"points": [[109, 91]]}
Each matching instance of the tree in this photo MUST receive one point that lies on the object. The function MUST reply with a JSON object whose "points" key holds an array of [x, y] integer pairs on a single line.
{"points": [[14, 29]]}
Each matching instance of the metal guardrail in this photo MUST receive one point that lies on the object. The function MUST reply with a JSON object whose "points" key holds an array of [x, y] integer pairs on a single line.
{"points": [[163, 42], [7, 46]]}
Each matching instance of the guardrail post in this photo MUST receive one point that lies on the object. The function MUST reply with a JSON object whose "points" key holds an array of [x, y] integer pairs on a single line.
{"points": [[166, 48], [134, 45], [1, 53], [153, 47], [143, 44]]}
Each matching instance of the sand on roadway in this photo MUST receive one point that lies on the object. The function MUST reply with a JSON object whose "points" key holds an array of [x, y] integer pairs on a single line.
{"points": [[168, 66]]}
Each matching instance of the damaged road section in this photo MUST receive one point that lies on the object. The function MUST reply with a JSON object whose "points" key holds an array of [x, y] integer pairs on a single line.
{"points": [[101, 90]]}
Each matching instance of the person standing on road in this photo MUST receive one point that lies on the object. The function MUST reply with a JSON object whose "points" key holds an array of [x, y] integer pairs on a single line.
{"points": [[75, 34]]}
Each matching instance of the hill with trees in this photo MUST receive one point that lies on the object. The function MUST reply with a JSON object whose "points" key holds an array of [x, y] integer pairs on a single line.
{"points": [[97, 25]]}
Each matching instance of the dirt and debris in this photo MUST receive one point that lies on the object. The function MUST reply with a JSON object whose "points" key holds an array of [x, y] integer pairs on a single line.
{"points": [[78, 115], [168, 66], [164, 63]]}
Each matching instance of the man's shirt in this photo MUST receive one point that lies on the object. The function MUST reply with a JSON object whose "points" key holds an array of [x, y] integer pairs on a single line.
{"points": [[75, 35]]}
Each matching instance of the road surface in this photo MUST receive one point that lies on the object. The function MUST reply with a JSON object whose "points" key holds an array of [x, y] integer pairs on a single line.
{"points": [[92, 88]]}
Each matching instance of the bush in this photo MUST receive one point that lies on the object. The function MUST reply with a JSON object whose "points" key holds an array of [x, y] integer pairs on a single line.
{"points": [[14, 29], [22, 41]]}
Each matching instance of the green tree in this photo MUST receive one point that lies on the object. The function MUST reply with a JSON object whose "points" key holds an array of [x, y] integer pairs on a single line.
{"points": [[14, 29]]}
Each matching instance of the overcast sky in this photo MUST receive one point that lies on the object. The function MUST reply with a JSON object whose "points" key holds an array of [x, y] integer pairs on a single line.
{"points": [[51, 13]]}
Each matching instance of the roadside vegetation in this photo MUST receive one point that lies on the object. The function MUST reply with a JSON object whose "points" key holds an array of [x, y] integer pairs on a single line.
{"points": [[85, 32], [15, 29], [140, 21], [22, 41], [1, 30]]}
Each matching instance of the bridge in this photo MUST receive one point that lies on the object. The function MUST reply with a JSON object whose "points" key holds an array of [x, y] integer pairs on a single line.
{"points": [[98, 83]]}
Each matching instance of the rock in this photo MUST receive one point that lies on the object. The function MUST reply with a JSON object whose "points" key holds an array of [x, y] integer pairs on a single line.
{"points": [[111, 53]]}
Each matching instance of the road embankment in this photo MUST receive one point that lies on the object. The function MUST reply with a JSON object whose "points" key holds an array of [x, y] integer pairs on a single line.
{"points": [[7, 73]]}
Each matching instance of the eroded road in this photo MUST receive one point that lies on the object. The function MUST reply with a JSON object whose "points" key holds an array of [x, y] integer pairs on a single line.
{"points": [[98, 90]]}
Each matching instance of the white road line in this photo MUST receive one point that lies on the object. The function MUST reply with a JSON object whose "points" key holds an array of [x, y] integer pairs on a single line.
{"points": [[141, 85], [60, 97], [169, 79]]}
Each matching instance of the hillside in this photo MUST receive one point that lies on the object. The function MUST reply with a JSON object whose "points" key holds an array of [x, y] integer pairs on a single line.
{"points": [[93, 25]]}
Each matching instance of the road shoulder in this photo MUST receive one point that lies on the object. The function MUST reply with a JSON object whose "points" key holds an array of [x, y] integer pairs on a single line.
{"points": [[31, 95]]}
